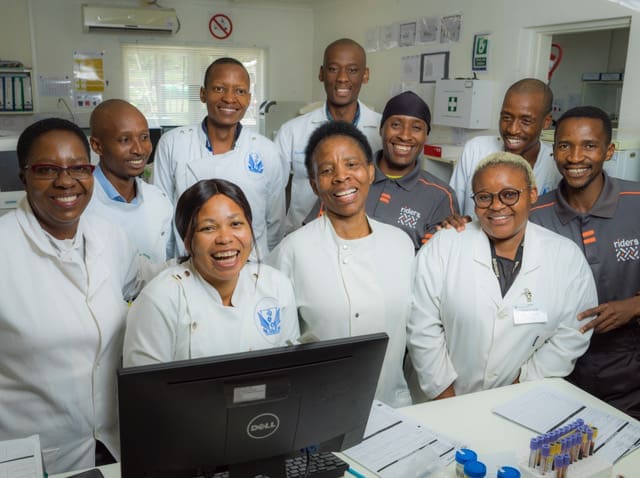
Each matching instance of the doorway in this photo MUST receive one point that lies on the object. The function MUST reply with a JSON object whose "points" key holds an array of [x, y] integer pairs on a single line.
{"points": [[588, 69], [598, 46]]}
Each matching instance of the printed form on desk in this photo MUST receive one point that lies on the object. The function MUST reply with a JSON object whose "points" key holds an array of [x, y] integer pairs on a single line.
{"points": [[543, 409], [396, 445], [21, 458]]}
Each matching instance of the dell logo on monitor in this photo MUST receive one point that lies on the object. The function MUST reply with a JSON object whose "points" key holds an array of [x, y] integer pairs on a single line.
{"points": [[263, 426]]}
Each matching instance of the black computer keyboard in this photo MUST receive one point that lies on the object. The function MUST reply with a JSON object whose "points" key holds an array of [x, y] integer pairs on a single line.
{"points": [[321, 465]]}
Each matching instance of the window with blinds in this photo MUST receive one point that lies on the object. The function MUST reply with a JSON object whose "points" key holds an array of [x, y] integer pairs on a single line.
{"points": [[164, 81]]}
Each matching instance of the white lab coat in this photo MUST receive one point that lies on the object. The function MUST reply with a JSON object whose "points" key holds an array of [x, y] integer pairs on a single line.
{"points": [[353, 287], [180, 316], [292, 139], [61, 329], [182, 159], [461, 330], [478, 148], [148, 222]]}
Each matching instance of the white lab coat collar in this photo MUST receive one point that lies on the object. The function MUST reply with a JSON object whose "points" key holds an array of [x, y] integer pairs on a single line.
{"points": [[482, 255], [93, 244], [368, 117], [482, 250]]}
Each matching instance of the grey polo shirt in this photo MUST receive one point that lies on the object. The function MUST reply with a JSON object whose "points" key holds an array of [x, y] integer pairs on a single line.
{"points": [[609, 234], [415, 203]]}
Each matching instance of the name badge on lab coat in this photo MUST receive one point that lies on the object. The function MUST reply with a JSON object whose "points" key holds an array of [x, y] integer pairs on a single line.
{"points": [[528, 314]]}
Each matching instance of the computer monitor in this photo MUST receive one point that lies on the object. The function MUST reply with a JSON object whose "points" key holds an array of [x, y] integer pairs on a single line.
{"points": [[246, 412], [11, 187]]}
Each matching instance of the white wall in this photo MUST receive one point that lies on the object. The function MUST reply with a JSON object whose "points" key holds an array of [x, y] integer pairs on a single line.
{"points": [[295, 36], [511, 47], [284, 30]]}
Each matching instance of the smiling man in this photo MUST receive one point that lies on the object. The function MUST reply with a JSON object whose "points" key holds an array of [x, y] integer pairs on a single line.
{"points": [[526, 111], [219, 147], [402, 193], [120, 136], [602, 215], [343, 71]]}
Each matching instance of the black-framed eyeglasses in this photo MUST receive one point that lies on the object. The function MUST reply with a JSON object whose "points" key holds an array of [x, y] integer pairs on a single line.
{"points": [[507, 196], [53, 171]]}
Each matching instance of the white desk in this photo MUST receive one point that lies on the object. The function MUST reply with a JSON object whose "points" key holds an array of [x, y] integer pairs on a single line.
{"points": [[468, 418]]}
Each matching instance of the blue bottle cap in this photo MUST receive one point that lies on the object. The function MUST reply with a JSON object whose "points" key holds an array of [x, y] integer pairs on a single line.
{"points": [[475, 469], [559, 461], [508, 472], [534, 444], [463, 455], [545, 450]]}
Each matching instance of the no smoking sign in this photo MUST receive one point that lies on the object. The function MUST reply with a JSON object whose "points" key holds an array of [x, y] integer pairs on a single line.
{"points": [[220, 26]]}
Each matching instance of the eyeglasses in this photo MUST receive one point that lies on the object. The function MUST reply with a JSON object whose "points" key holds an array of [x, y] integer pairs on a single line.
{"points": [[52, 171], [507, 196]]}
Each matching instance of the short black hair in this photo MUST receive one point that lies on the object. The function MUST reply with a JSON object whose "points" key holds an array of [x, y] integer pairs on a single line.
{"points": [[330, 129], [192, 200], [344, 42], [592, 112], [224, 61], [31, 134], [533, 85]]}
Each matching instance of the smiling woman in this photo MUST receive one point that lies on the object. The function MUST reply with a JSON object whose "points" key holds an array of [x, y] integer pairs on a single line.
{"points": [[346, 280], [215, 301], [57, 177], [67, 277], [498, 302]]}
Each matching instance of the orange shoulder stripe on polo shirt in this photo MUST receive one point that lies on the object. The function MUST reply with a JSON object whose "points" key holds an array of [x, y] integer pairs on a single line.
{"points": [[385, 198], [445, 190], [589, 237], [542, 206]]}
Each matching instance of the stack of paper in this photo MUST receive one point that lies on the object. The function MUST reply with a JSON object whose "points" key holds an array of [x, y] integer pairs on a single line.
{"points": [[21, 458], [394, 445], [543, 409]]}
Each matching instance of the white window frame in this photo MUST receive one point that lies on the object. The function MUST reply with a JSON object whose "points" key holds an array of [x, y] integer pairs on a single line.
{"points": [[170, 96]]}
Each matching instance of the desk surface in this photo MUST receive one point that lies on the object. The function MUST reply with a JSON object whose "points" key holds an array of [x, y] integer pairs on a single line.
{"points": [[468, 418]]}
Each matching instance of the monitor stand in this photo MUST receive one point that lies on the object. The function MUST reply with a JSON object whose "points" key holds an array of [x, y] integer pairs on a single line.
{"points": [[272, 467]]}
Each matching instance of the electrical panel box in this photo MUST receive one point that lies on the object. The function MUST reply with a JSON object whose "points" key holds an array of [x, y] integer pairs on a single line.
{"points": [[464, 104]]}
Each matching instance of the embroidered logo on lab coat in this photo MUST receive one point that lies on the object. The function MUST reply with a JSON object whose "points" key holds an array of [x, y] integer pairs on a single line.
{"points": [[255, 164], [268, 318]]}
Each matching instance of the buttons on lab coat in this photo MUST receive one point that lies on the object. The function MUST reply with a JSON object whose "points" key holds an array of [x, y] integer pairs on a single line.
{"points": [[502, 314], [345, 248]]}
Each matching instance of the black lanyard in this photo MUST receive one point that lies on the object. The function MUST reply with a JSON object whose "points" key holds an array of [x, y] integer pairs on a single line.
{"points": [[505, 269]]}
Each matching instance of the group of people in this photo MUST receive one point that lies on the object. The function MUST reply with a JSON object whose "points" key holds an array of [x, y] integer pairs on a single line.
{"points": [[212, 260]]}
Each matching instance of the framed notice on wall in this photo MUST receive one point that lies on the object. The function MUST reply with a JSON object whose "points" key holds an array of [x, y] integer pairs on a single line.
{"points": [[434, 66]]}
